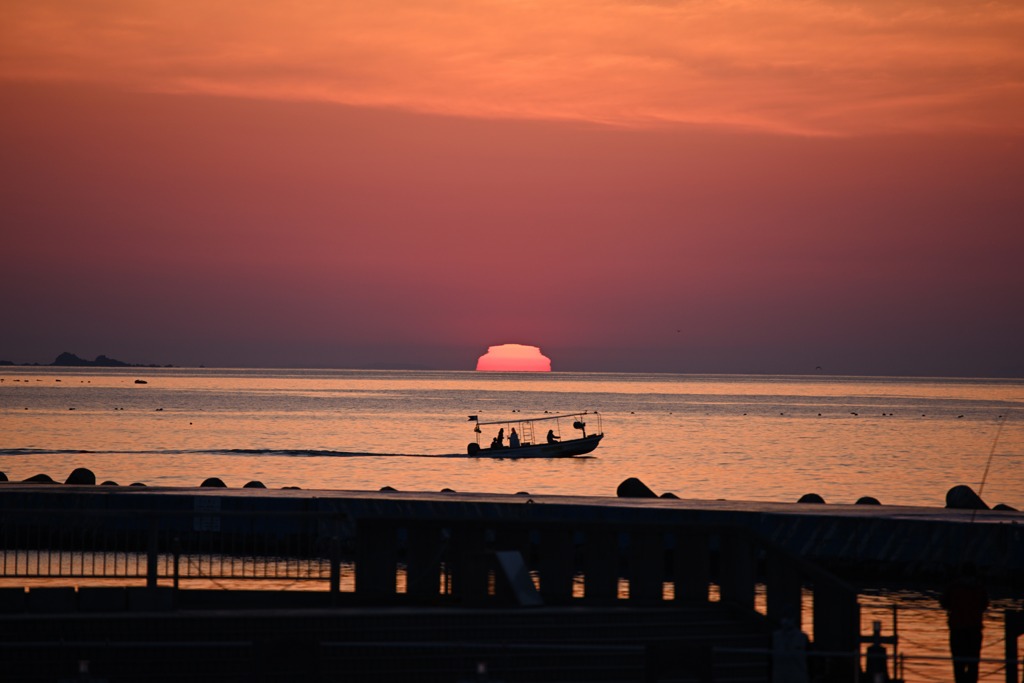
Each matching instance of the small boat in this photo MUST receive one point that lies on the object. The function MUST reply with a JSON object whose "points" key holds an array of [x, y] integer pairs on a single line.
{"points": [[537, 437]]}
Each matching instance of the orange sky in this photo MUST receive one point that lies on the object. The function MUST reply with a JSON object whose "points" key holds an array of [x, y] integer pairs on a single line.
{"points": [[691, 186], [814, 68]]}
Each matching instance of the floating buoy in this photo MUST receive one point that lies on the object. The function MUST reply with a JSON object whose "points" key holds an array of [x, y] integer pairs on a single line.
{"points": [[963, 497], [634, 488], [81, 476], [811, 498]]}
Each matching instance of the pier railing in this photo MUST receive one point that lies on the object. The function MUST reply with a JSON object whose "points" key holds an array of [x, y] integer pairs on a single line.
{"points": [[244, 548], [467, 562]]}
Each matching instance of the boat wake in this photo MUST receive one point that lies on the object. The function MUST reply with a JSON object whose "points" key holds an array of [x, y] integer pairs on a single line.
{"points": [[320, 453], [289, 452]]}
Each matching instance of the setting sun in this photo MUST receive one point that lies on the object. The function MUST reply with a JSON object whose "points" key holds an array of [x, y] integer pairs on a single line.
{"points": [[514, 358]]}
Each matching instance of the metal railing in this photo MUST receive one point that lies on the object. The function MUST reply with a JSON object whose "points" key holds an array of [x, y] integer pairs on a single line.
{"points": [[167, 546]]}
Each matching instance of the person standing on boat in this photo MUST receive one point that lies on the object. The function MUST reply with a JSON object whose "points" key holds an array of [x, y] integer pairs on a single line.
{"points": [[551, 436], [501, 438], [513, 439], [965, 601]]}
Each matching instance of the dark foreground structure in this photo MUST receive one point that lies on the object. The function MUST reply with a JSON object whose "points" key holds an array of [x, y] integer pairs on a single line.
{"points": [[134, 584]]}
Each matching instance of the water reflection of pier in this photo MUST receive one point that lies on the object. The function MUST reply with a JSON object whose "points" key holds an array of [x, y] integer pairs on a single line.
{"points": [[427, 584]]}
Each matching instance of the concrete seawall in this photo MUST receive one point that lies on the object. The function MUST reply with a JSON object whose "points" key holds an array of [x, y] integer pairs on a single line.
{"points": [[887, 543], [203, 582]]}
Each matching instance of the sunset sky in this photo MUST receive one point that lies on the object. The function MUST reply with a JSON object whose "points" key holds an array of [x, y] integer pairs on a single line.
{"points": [[693, 186]]}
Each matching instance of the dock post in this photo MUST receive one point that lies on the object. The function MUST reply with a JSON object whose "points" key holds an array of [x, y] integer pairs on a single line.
{"points": [[425, 549], [1014, 627], [837, 630], [784, 590], [601, 572], [335, 550], [152, 553], [176, 548], [376, 563], [556, 563], [470, 575], [736, 569], [646, 565], [691, 566]]}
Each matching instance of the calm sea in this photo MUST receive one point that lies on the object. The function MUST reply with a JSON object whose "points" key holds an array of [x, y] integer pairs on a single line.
{"points": [[765, 438], [760, 438]]}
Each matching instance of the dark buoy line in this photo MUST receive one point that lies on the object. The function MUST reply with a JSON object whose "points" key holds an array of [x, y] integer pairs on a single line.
{"points": [[634, 488], [81, 476], [963, 497], [959, 497], [812, 498]]}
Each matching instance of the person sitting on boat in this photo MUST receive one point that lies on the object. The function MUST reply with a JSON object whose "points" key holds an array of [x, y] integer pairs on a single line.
{"points": [[513, 439], [551, 436], [494, 443]]}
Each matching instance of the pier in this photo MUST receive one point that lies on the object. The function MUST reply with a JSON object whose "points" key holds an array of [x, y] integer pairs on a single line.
{"points": [[234, 583]]}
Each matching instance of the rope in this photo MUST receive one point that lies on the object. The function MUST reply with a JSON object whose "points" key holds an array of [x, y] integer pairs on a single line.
{"points": [[991, 453], [984, 479], [196, 572]]}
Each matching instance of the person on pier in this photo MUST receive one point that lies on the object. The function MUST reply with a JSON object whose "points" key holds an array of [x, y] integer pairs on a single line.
{"points": [[965, 602]]}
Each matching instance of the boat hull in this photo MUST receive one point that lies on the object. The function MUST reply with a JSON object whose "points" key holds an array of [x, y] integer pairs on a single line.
{"points": [[561, 449]]}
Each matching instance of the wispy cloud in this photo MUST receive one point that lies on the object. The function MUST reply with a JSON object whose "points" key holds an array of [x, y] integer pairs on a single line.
{"points": [[796, 66]]}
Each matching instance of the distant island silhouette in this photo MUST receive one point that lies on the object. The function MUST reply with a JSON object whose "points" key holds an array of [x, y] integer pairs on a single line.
{"points": [[67, 359], [70, 360]]}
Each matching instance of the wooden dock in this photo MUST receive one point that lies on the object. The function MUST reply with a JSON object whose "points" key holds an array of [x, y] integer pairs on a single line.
{"points": [[452, 586], [900, 543]]}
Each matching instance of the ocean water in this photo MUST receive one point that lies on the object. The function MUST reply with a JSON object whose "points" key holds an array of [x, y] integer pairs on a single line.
{"points": [[762, 438], [759, 438]]}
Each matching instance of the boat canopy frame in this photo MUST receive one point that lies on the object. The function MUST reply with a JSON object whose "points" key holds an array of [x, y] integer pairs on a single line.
{"points": [[561, 416], [527, 433]]}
